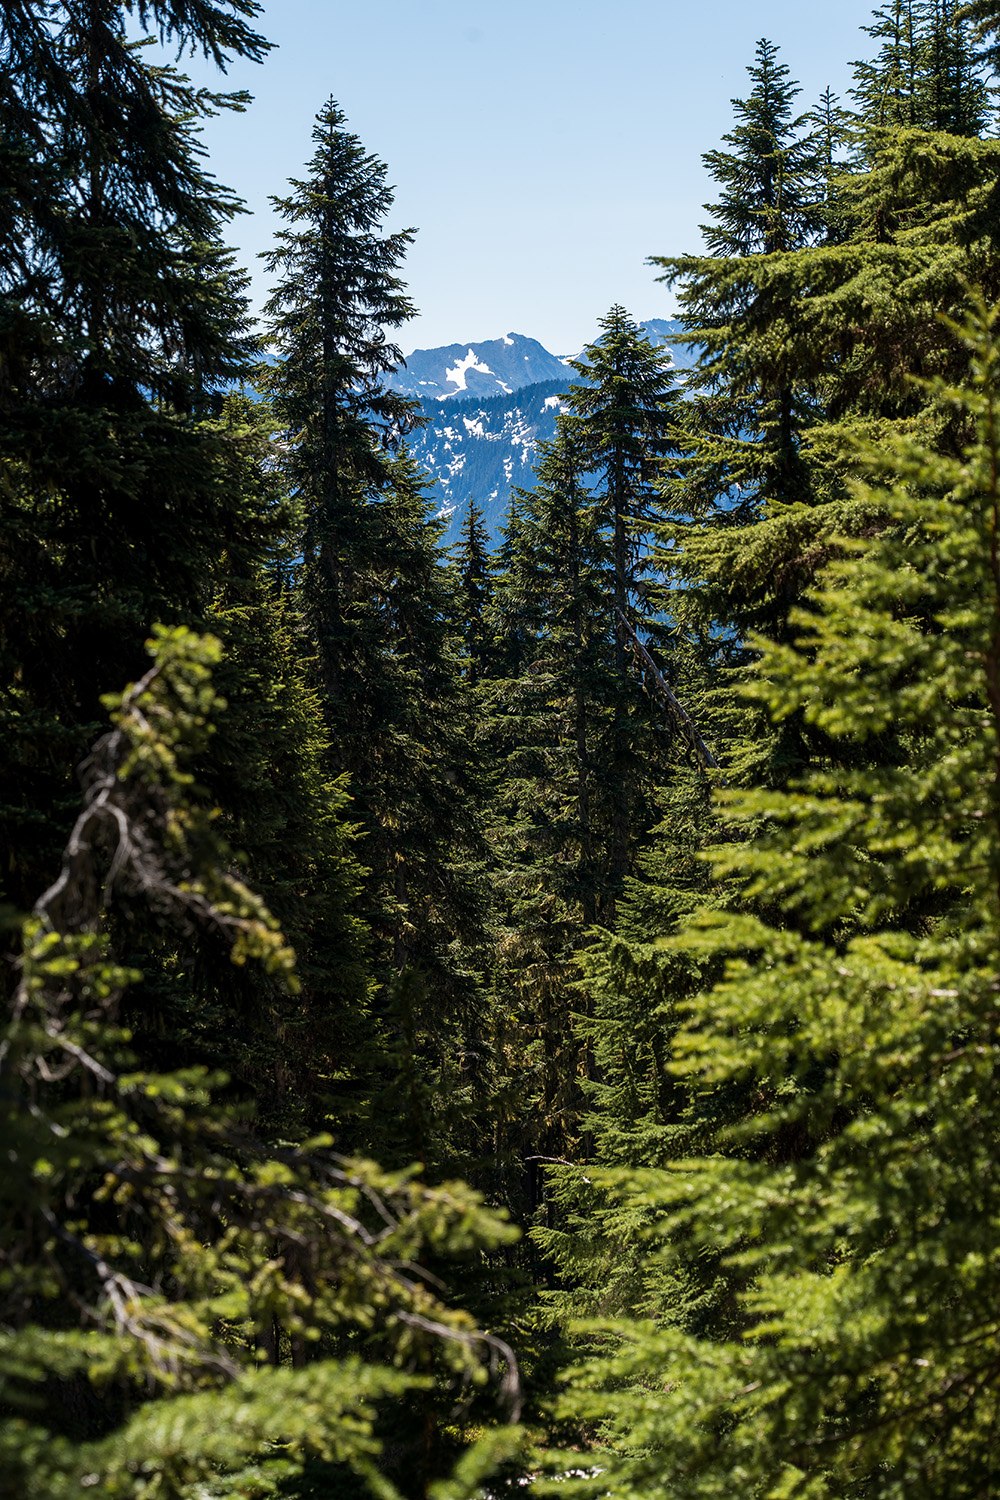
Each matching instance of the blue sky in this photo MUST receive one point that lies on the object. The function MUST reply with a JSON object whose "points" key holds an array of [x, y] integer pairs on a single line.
{"points": [[542, 148]]}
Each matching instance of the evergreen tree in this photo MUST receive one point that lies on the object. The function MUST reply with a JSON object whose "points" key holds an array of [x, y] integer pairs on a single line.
{"points": [[475, 575], [582, 746], [306, 1059], [855, 1199], [798, 333], [129, 496], [163, 1276], [377, 598], [552, 826], [765, 205], [338, 291], [985, 18], [832, 136], [741, 430], [625, 410], [924, 75], [119, 316]]}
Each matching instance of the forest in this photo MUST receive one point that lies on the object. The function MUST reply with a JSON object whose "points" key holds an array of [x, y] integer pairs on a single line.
{"points": [[498, 1021]]}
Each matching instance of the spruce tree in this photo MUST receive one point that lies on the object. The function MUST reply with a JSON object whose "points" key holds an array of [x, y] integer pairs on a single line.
{"points": [[377, 597], [120, 317], [854, 1201]]}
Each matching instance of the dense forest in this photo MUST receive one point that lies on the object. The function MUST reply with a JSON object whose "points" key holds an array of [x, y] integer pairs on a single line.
{"points": [[519, 1020]]}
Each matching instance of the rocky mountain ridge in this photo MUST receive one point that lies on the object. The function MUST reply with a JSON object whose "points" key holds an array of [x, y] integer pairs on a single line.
{"points": [[486, 417]]}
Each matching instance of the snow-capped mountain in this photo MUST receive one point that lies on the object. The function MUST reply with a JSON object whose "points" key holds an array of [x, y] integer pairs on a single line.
{"points": [[488, 406], [494, 367], [484, 448]]}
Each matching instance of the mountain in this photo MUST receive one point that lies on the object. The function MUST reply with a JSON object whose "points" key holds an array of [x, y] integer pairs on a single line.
{"points": [[668, 331], [488, 406], [495, 367], [484, 448]]}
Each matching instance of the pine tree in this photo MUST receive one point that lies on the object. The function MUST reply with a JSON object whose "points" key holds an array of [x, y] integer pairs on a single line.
{"points": [[119, 317], [377, 598], [185, 1310], [855, 1200]]}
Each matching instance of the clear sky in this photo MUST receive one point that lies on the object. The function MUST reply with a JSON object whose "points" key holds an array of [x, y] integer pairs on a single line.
{"points": [[542, 148]]}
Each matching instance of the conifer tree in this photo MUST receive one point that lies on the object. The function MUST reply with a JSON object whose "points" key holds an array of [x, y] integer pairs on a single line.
{"points": [[552, 821], [377, 598], [337, 293], [741, 430], [164, 1275], [625, 410], [582, 746], [924, 75], [985, 18], [120, 316], [854, 1200], [305, 1059], [129, 497], [837, 326], [475, 574]]}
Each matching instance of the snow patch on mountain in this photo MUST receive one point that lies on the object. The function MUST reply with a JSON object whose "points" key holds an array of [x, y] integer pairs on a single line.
{"points": [[488, 406], [456, 375]]}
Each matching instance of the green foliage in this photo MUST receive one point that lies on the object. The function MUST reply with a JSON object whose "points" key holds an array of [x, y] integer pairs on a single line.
{"points": [[377, 598], [120, 315], [475, 576], [925, 72], [158, 1263], [856, 1194]]}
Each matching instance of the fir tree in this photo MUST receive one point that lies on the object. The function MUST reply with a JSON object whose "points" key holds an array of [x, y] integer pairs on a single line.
{"points": [[765, 205], [120, 316], [582, 746], [742, 429], [924, 75], [184, 1309], [552, 825], [625, 410], [338, 291], [856, 1194], [475, 575]]}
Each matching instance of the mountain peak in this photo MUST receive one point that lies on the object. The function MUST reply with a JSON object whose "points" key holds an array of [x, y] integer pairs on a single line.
{"points": [[488, 367]]}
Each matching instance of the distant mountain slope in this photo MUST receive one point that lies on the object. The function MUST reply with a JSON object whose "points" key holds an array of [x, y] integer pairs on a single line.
{"points": [[494, 367], [486, 418], [484, 448], [668, 331]]}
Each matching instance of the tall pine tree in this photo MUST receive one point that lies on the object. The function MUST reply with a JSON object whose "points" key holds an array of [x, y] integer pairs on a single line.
{"points": [[376, 593]]}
